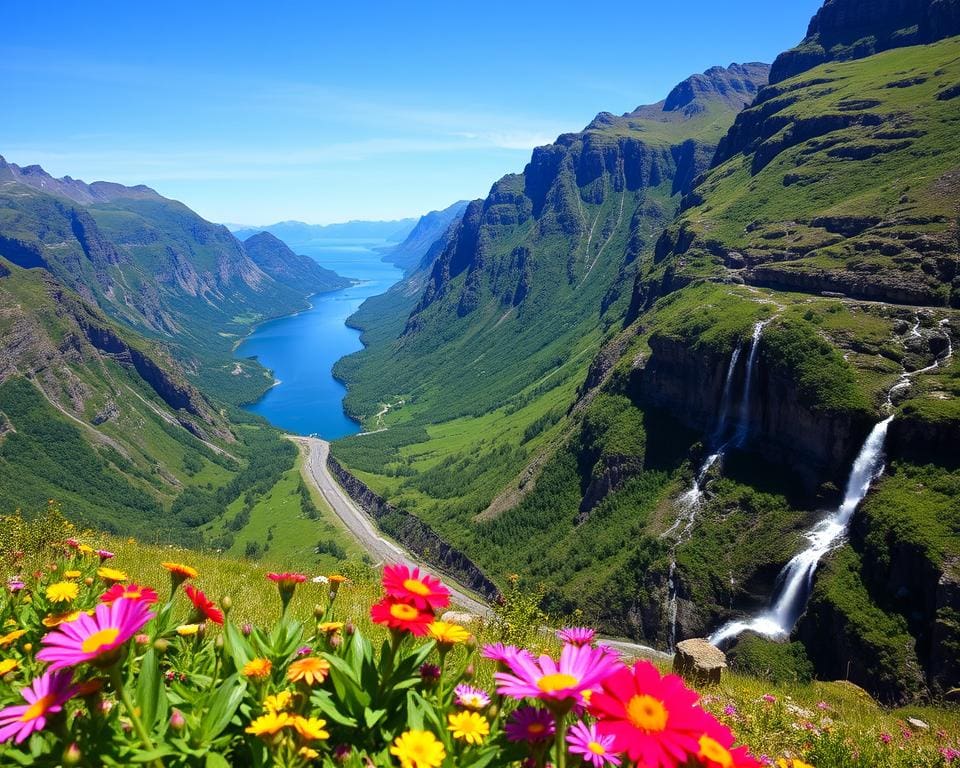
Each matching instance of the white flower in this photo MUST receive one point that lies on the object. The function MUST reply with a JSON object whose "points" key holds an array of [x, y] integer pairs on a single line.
{"points": [[320, 580]]}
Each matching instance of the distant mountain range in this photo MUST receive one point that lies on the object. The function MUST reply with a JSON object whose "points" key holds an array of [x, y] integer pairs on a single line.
{"points": [[296, 233], [430, 228]]}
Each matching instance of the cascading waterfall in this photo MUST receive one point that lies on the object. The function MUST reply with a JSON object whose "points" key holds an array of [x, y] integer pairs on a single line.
{"points": [[743, 427], [796, 579]]}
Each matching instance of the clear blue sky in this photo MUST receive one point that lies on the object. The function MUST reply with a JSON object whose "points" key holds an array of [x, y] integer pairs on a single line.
{"points": [[327, 111]]}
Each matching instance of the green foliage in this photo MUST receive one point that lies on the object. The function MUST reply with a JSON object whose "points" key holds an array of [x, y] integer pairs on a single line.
{"points": [[768, 660]]}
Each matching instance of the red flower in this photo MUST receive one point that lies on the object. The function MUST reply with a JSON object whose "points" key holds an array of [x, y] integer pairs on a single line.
{"points": [[654, 720], [397, 615], [204, 605], [419, 589], [287, 579], [129, 591]]}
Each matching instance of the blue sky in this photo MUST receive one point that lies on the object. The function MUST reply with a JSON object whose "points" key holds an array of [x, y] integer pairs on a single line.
{"points": [[323, 112]]}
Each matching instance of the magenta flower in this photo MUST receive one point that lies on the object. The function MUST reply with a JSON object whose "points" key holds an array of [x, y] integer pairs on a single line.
{"points": [[576, 635], [45, 696], [886, 738], [94, 638], [579, 669], [104, 554], [530, 724], [769, 698], [470, 698], [583, 740], [15, 584], [504, 654]]}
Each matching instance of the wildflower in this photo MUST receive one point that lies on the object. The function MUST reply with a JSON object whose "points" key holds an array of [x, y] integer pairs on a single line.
{"points": [[111, 575], [310, 728], [7, 666], [188, 630], [104, 554], [530, 724], [583, 740], [822, 705], [505, 655], [72, 574], [269, 724], [257, 668], [56, 619], [286, 583], [130, 592], [418, 749], [886, 738], [204, 607], [311, 670], [94, 638], [84, 549], [304, 650], [430, 674], [62, 592], [278, 702], [769, 698], [335, 580], [653, 719], [307, 753], [730, 710], [179, 573], [11, 637], [579, 668], [330, 627], [470, 727], [447, 634], [401, 616], [72, 543], [45, 696], [576, 635], [177, 720], [411, 586], [15, 584], [469, 697], [784, 762], [320, 580], [341, 753]]}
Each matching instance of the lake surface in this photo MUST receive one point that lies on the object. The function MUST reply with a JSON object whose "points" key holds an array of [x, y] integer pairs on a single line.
{"points": [[301, 349]]}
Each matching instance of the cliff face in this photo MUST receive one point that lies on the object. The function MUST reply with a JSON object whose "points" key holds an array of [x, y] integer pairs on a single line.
{"points": [[299, 272]]}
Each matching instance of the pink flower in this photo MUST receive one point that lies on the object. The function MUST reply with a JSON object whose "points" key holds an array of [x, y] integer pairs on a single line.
{"points": [[45, 696], [822, 705], [104, 554], [579, 669], [769, 698], [730, 710], [504, 654], [576, 635], [469, 697], [421, 590], [886, 738], [595, 749], [530, 724], [93, 638]]}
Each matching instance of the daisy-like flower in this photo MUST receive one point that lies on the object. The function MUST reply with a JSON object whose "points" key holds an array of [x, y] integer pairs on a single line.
{"points": [[204, 607], [130, 592], [311, 670], [179, 573], [188, 630], [320, 580], [7, 666], [94, 638], [447, 634], [269, 724], [15, 584], [257, 668], [72, 574], [401, 616], [56, 619], [411, 586], [576, 635], [531, 725], [330, 627], [62, 592], [72, 543], [418, 749], [784, 762], [84, 549], [11, 637], [45, 696], [279, 702], [111, 575], [469, 697], [104, 554], [470, 727], [583, 740], [505, 655], [310, 728], [580, 668], [335, 579], [653, 719], [287, 579]]}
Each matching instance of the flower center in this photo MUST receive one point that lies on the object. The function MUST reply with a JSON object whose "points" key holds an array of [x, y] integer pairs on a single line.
{"points": [[536, 728], [98, 640], [38, 708], [133, 594], [558, 681], [647, 714], [403, 612], [715, 752], [417, 587], [597, 748]]}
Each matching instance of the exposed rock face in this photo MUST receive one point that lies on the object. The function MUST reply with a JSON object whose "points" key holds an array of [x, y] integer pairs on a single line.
{"points": [[414, 534], [283, 265], [854, 29], [699, 662], [74, 189]]}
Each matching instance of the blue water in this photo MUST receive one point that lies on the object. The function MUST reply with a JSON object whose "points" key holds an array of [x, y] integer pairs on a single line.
{"points": [[301, 349]]}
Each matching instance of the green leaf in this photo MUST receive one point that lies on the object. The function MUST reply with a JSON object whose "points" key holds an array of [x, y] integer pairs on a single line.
{"points": [[236, 645], [323, 700], [222, 708], [347, 684], [373, 716], [215, 760], [151, 695]]}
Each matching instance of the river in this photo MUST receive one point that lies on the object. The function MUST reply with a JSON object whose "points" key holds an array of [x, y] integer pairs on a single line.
{"points": [[301, 349]]}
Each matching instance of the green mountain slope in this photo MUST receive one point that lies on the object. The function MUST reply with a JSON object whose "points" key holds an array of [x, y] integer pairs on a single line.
{"points": [[283, 265], [430, 228]]}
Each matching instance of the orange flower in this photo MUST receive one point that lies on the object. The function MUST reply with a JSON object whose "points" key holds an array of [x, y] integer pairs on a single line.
{"points": [[258, 668], [312, 670]]}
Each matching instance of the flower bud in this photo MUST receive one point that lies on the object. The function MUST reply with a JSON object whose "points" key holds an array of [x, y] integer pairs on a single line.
{"points": [[72, 755], [219, 642], [226, 603], [335, 642], [318, 611], [28, 647], [177, 721], [492, 711], [161, 645], [88, 581], [247, 629], [471, 643], [142, 639], [349, 628], [469, 672]]}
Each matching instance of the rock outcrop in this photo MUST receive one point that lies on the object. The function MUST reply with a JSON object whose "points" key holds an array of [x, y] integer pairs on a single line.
{"points": [[699, 662]]}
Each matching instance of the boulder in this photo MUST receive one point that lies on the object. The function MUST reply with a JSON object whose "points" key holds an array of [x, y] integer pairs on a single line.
{"points": [[699, 662], [459, 617]]}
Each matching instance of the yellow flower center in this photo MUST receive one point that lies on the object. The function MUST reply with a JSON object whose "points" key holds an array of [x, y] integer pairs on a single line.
{"points": [[536, 728], [647, 713], [597, 748], [715, 752], [38, 707], [417, 587], [559, 681], [98, 640], [404, 612]]}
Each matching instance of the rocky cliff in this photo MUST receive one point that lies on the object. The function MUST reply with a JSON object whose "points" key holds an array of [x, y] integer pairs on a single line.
{"points": [[302, 273]]}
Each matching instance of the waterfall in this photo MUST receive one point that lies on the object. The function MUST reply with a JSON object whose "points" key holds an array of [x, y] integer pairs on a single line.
{"points": [[743, 427]]}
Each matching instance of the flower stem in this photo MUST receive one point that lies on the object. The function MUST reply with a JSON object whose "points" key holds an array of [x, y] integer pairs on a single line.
{"points": [[117, 678], [561, 751]]}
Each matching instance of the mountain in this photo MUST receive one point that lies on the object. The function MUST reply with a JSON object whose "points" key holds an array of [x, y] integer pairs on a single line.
{"points": [[297, 233], [283, 265], [431, 226]]}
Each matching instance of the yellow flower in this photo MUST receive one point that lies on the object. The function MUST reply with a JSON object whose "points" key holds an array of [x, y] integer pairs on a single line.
{"points": [[308, 754], [336, 578], [72, 574], [278, 703], [418, 749], [470, 727], [269, 724], [56, 619], [310, 728], [448, 634], [84, 549], [111, 574], [329, 627], [181, 571], [7, 666], [62, 592], [258, 668], [188, 630], [312, 670], [11, 637], [784, 762]]}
